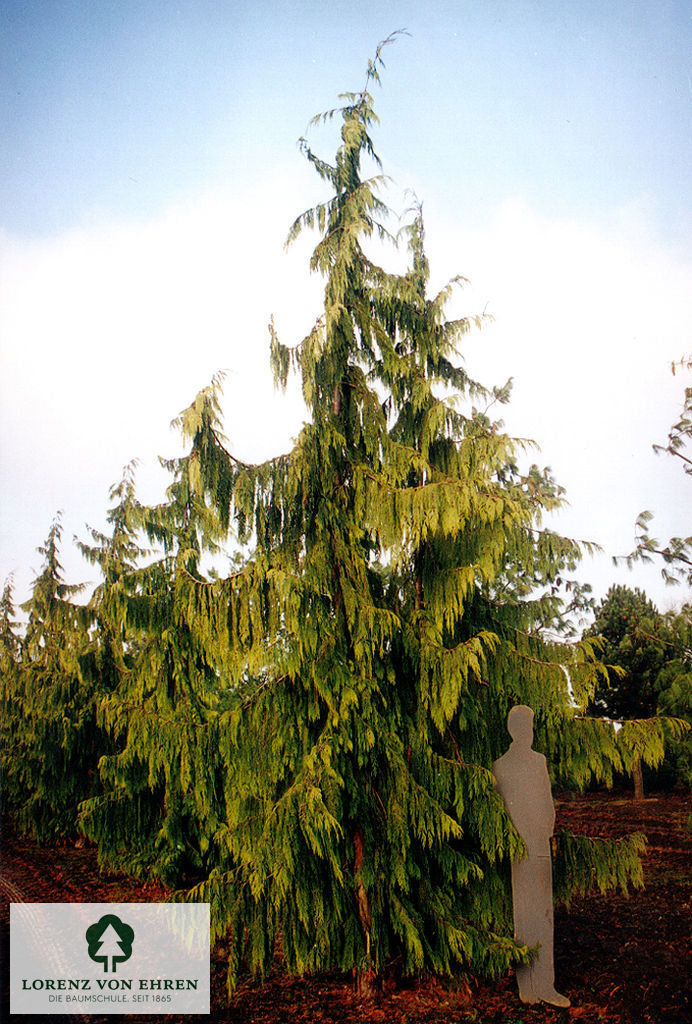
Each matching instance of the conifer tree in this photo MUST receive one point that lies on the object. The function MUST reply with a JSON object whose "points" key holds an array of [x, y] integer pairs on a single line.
{"points": [[109, 654], [634, 649], [313, 733], [396, 603], [10, 653], [10, 642], [51, 748], [675, 687], [647, 658], [158, 805]]}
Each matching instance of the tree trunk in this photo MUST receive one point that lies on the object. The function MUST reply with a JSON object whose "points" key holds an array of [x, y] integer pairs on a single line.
{"points": [[365, 979], [638, 779], [366, 984]]}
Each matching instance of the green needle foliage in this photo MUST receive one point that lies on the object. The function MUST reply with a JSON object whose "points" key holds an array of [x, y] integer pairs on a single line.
{"points": [[10, 642], [675, 687], [647, 657], [50, 742], [157, 807], [400, 597], [311, 736]]}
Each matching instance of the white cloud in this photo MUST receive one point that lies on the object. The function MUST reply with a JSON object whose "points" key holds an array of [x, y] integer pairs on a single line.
{"points": [[588, 319], [109, 332]]}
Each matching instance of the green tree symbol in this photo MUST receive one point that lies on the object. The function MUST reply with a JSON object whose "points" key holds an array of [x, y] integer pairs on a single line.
{"points": [[110, 939]]}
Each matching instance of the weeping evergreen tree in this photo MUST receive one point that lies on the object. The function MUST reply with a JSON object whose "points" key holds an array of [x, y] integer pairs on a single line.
{"points": [[10, 652], [400, 596], [108, 663], [117, 556], [159, 801], [313, 734], [10, 642], [51, 742]]}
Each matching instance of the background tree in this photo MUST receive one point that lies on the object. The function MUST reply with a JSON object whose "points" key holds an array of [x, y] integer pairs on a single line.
{"points": [[675, 687], [158, 805], [10, 653], [10, 641], [635, 651], [52, 742], [642, 653]]}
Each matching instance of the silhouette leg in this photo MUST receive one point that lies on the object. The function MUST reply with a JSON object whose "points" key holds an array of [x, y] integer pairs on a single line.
{"points": [[532, 897]]}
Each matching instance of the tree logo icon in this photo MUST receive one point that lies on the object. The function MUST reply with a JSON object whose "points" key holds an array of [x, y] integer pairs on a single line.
{"points": [[110, 941]]}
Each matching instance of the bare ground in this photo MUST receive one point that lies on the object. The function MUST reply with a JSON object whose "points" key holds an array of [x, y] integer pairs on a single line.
{"points": [[621, 960]]}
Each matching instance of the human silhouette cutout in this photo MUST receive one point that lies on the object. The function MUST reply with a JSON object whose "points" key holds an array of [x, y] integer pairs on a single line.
{"points": [[523, 783]]}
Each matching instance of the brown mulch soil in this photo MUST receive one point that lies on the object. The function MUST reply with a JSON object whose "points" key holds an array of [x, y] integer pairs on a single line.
{"points": [[621, 960]]}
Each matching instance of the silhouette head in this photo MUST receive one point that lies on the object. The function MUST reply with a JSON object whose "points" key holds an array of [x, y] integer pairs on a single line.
{"points": [[520, 725]]}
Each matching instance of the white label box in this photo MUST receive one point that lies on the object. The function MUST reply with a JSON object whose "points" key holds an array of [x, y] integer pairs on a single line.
{"points": [[105, 958]]}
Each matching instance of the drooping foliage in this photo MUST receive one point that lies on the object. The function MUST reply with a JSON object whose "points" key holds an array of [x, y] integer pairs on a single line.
{"points": [[311, 735], [10, 640], [401, 596], [10, 653], [50, 744], [156, 811]]}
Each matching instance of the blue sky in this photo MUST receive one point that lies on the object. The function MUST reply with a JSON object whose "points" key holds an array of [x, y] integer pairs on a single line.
{"points": [[150, 172], [119, 108]]}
